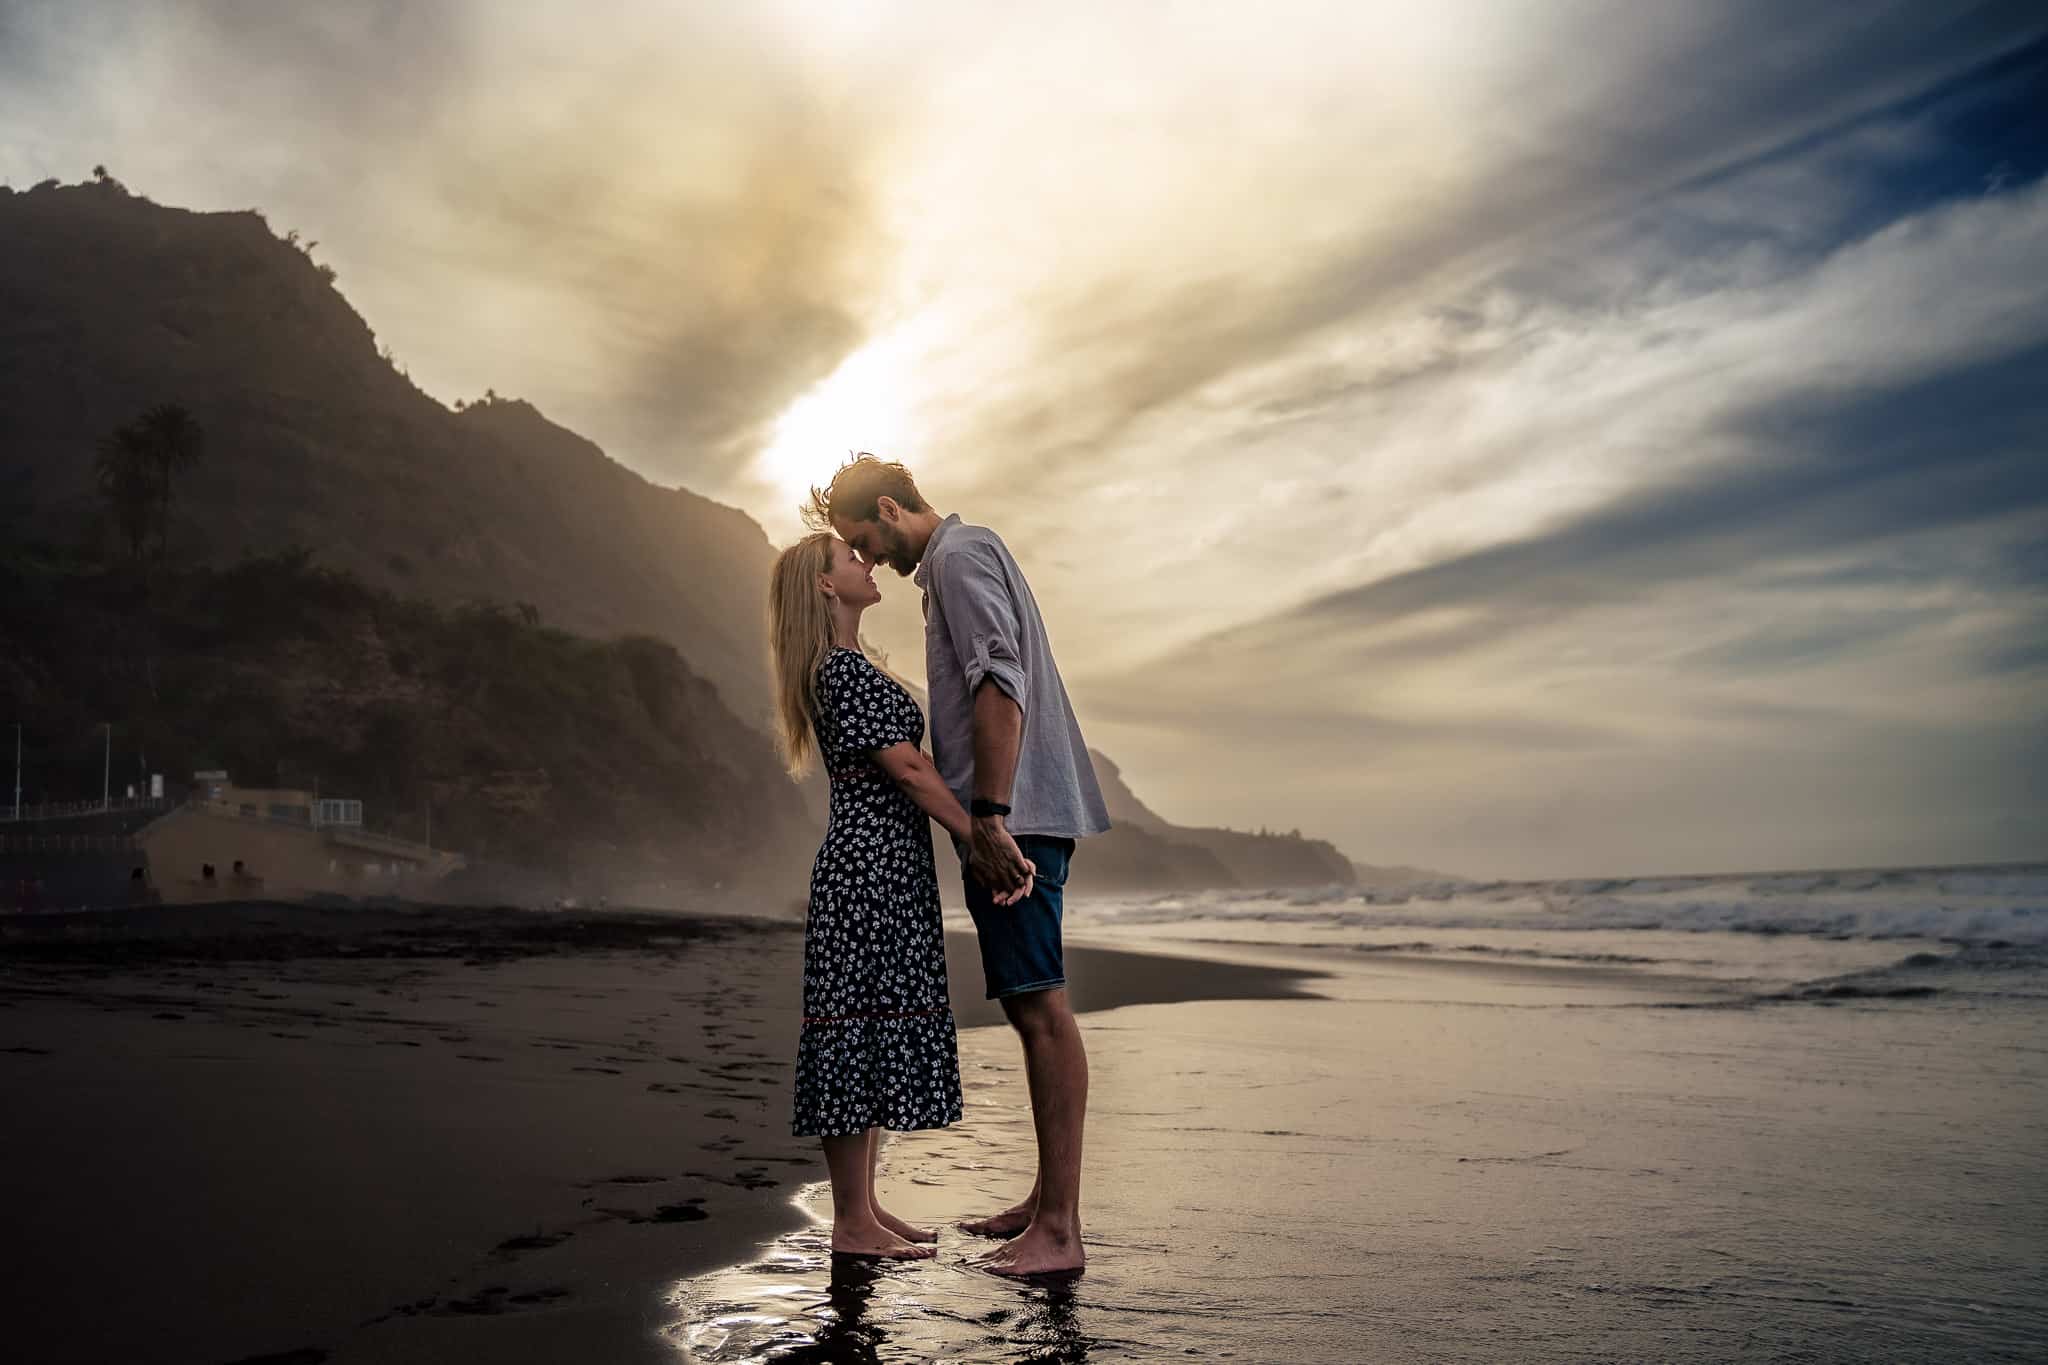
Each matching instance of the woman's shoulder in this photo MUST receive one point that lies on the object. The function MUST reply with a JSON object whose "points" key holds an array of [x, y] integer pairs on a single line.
{"points": [[841, 663]]}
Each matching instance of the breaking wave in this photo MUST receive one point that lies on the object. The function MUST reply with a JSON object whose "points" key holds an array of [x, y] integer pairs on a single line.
{"points": [[1990, 906]]}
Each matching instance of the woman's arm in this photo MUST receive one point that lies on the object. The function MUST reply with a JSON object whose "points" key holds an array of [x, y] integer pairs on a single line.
{"points": [[919, 777]]}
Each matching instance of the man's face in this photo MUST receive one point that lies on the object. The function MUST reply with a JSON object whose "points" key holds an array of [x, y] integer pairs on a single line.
{"points": [[880, 541]]}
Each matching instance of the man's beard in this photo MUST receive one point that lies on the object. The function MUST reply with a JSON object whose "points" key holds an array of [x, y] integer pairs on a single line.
{"points": [[896, 552]]}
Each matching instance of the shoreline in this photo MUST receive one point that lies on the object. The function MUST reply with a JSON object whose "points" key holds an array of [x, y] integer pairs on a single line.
{"points": [[1471, 1160], [410, 1131]]}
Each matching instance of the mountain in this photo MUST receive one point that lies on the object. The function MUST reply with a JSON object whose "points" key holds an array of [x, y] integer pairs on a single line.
{"points": [[557, 764], [110, 304], [315, 439], [1146, 850]]}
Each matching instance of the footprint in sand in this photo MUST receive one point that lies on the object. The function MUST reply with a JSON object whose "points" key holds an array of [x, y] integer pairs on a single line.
{"points": [[305, 1355], [492, 1299], [530, 1241], [688, 1211]]}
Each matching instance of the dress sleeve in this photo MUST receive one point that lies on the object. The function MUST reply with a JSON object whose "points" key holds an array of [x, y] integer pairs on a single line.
{"points": [[981, 619], [867, 709]]}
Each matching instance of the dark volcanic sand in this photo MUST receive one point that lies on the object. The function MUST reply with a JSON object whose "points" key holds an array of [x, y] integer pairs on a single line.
{"points": [[280, 1132]]}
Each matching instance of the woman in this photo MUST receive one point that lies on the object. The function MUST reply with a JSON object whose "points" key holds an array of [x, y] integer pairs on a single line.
{"points": [[878, 1049]]}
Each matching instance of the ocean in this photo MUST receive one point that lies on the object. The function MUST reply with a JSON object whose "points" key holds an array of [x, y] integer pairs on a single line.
{"points": [[1784, 1116], [1979, 931]]}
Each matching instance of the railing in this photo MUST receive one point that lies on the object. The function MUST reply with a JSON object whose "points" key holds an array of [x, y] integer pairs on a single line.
{"points": [[66, 843], [72, 810], [376, 842], [356, 836]]}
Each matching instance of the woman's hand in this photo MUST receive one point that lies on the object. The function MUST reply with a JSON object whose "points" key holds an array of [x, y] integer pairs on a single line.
{"points": [[994, 860], [1001, 866]]}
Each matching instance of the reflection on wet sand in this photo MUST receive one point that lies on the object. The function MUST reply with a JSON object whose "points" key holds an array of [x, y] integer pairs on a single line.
{"points": [[800, 1304], [1480, 1162]]}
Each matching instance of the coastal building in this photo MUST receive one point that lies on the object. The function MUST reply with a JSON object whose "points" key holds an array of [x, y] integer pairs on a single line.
{"points": [[235, 843], [220, 843]]}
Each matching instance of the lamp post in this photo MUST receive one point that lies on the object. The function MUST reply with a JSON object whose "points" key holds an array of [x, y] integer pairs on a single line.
{"points": [[17, 771], [107, 768]]}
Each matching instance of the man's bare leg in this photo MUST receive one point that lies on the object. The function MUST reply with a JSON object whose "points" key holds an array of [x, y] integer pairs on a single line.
{"points": [[1056, 1066], [909, 1232], [1010, 1221], [855, 1230]]}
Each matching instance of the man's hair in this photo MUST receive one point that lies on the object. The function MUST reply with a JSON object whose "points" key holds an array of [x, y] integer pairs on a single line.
{"points": [[856, 490]]}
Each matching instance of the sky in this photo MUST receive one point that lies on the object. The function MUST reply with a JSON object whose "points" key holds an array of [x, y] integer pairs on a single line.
{"points": [[1531, 438]]}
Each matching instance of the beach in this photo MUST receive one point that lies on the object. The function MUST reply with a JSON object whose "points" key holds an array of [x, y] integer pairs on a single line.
{"points": [[1515, 1123], [287, 1133], [305, 1135]]}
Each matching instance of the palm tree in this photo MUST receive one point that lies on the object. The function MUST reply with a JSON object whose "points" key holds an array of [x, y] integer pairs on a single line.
{"points": [[126, 478], [135, 467], [174, 442]]}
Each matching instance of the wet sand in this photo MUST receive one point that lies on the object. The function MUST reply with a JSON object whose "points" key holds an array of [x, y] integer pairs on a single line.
{"points": [[1472, 1162], [306, 1135]]}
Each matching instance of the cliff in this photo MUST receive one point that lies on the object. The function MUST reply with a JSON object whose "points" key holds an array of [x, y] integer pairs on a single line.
{"points": [[568, 765], [110, 304], [317, 440]]}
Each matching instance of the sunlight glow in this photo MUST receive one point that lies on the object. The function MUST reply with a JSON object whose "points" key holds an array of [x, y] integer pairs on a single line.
{"points": [[865, 404]]}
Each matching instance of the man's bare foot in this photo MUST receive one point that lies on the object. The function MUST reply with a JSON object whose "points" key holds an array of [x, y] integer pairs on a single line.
{"points": [[870, 1238], [1038, 1250], [909, 1232], [1008, 1223]]}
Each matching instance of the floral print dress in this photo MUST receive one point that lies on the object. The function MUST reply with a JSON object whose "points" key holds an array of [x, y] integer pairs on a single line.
{"points": [[878, 1046]]}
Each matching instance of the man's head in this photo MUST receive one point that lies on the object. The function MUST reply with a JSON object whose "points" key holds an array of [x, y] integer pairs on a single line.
{"points": [[874, 506]]}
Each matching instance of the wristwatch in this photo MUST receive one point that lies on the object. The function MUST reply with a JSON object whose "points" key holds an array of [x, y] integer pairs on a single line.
{"points": [[983, 806]]}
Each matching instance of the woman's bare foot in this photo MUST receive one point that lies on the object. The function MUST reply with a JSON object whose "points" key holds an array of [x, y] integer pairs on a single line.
{"points": [[1008, 1223], [869, 1238], [1038, 1250], [909, 1232]]}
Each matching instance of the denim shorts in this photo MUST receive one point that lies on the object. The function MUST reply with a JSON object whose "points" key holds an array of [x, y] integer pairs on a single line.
{"points": [[1020, 944]]}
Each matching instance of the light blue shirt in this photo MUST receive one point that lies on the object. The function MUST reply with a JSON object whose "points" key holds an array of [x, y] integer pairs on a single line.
{"points": [[981, 622]]}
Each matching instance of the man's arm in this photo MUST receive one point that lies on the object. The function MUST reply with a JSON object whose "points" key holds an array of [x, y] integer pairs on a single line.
{"points": [[992, 854], [919, 778], [973, 596]]}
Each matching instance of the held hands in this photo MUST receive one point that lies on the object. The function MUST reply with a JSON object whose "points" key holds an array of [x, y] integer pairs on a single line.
{"points": [[997, 863]]}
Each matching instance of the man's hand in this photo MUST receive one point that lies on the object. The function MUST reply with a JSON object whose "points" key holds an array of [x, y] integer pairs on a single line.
{"points": [[997, 863]]}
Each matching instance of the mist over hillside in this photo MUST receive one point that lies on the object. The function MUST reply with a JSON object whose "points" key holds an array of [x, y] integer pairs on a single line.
{"points": [[110, 304], [317, 440]]}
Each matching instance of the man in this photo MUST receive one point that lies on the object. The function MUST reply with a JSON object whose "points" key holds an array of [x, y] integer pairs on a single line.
{"points": [[1005, 739]]}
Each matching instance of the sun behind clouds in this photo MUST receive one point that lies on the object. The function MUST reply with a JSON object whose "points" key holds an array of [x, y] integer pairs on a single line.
{"points": [[865, 404]]}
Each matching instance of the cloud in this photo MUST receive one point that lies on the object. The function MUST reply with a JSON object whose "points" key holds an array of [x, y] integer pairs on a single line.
{"points": [[1581, 436], [655, 222], [1811, 527]]}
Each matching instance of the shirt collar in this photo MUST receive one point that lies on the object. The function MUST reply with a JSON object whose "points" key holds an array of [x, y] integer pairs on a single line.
{"points": [[924, 565]]}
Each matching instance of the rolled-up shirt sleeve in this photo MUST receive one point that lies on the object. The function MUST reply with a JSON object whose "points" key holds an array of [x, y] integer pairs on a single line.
{"points": [[975, 599]]}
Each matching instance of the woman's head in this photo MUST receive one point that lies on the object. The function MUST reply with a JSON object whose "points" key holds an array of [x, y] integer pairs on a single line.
{"points": [[814, 582]]}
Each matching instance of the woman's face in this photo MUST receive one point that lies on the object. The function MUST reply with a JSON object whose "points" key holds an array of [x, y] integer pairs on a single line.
{"points": [[851, 580]]}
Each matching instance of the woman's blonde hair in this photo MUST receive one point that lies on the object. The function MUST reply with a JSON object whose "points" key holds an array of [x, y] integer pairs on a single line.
{"points": [[800, 634]]}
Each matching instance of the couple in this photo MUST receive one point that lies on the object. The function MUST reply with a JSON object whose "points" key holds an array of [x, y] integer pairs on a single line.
{"points": [[1009, 779]]}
